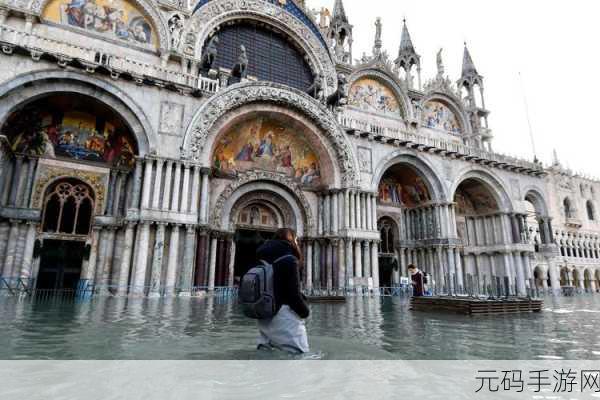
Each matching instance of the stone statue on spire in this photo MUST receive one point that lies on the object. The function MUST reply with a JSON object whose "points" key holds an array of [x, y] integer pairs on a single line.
{"points": [[378, 41], [440, 64]]}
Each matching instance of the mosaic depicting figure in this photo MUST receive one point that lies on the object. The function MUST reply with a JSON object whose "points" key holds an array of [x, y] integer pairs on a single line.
{"points": [[74, 135], [405, 190], [437, 115], [267, 145], [474, 202], [114, 18], [371, 95]]}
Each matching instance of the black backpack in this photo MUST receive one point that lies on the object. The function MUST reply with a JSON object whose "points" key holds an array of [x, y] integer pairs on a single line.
{"points": [[257, 292]]}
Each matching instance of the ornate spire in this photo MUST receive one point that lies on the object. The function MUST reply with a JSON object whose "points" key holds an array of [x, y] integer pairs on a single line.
{"points": [[468, 68], [339, 14], [406, 45], [407, 58]]}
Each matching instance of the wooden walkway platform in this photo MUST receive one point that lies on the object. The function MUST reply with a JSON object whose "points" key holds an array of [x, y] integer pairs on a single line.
{"points": [[476, 307], [326, 299]]}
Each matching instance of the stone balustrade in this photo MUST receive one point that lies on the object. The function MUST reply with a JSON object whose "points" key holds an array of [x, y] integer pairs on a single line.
{"points": [[67, 53], [435, 145]]}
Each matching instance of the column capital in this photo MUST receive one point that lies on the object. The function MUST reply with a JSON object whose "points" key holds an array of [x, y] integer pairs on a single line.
{"points": [[190, 229]]}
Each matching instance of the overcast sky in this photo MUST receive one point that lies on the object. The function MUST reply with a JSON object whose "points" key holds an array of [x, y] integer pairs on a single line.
{"points": [[553, 44]]}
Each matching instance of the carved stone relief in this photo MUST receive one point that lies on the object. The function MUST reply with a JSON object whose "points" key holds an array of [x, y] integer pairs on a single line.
{"points": [[171, 118], [365, 159]]}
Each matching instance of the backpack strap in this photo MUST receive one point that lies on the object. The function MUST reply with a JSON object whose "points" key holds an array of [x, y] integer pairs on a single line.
{"points": [[276, 261]]}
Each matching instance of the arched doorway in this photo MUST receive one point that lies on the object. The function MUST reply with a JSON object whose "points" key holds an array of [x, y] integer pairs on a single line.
{"points": [[587, 281], [565, 277], [388, 261], [542, 280], [256, 223], [66, 222]]}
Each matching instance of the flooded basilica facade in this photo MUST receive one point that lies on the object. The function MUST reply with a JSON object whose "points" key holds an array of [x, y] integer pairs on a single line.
{"points": [[149, 146]]}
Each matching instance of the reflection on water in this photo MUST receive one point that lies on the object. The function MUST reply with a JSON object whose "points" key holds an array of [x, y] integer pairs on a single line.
{"points": [[118, 328]]}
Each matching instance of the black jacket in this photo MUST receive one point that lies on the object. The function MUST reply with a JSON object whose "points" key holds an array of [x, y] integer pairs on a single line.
{"points": [[286, 276]]}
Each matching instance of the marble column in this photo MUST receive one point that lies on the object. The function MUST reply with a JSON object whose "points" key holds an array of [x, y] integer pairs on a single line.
{"points": [[554, 276], [441, 270], [326, 214], [31, 167], [358, 204], [176, 188], [16, 181], [341, 207], [347, 209], [335, 211], [194, 207], [186, 281], [309, 265], [143, 239], [320, 215], [120, 184], [375, 264], [212, 264], [126, 260], [358, 259], [157, 260], [459, 270], [317, 264], [173, 262], [158, 184], [349, 273], [341, 265], [166, 202], [329, 266], [521, 287], [137, 184], [108, 257], [26, 268], [110, 198], [368, 212], [374, 210], [352, 210], [204, 197], [366, 256], [11, 249], [363, 211], [147, 184], [185, 192], [93, 260], [231, 267]]}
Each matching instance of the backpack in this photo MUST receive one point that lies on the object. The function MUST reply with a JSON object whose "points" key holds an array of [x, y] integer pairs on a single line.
{"points": [[257, 292]]}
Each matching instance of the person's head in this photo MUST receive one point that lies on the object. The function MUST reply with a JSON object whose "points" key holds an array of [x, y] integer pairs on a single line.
{"points": [[289, 235], [412, 269]]}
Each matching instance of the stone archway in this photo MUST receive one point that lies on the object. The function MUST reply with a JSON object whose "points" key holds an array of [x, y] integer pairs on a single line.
{"points": [[39, 84], [235, 101], [207, 18], [68, 210]]}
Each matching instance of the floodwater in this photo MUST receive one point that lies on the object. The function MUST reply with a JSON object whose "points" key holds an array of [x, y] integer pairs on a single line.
{"points": [[361, 329]]}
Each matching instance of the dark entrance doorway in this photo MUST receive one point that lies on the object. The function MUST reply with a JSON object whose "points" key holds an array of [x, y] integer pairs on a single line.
{"points": [[246, 243], [387, 265], [60, 265]]}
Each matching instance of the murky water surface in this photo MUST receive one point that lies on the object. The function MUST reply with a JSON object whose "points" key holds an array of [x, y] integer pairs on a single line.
{"points": [[111, 328]]}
